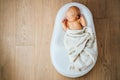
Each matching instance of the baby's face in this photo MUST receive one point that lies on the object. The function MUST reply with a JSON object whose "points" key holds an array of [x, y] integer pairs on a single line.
{"points": [[72, 14]]}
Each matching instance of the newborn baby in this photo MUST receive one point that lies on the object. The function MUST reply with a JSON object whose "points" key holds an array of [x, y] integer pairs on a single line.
{"points": [[74, 20], [79, 40]]}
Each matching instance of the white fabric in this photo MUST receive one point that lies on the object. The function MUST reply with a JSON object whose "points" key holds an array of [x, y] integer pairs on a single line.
{"points": [[58, 52], [81, 46]]}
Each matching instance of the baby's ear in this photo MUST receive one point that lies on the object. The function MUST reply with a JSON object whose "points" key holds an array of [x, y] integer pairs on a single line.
{"points": [[78, 16], [64, 19]]}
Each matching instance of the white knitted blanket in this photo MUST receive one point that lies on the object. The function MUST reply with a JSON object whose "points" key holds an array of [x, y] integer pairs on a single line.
{"points": [[81, 48]]}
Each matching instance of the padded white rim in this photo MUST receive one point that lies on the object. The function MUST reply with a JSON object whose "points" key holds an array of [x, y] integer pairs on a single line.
{"points": [[57, 50]]}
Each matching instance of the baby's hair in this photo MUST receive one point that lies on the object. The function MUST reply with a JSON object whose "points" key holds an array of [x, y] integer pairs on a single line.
{"points": [[77, 10]]}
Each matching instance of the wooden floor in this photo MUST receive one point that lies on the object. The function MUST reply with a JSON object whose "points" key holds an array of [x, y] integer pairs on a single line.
{"points": [[26, 28]]}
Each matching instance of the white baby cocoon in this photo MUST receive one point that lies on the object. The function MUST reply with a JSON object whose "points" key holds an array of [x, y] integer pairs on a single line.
{"points": [[73, 50], [81, 48]]}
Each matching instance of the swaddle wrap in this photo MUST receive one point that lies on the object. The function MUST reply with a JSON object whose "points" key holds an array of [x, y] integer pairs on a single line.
{"points": [[81, 48]]}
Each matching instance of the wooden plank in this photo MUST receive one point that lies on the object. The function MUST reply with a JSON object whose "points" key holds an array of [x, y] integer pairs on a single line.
{"points": [[7, 39], [24, 63], [24, 23]]}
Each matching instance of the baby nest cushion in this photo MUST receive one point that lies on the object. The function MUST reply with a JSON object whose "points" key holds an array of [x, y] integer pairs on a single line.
{"points": [[58, 52]]}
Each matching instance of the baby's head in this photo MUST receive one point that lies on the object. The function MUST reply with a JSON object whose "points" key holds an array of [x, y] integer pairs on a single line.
{"points": [[73, 13]]}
